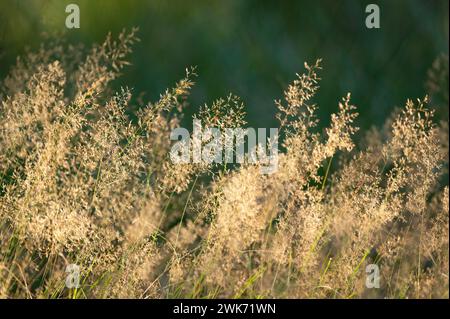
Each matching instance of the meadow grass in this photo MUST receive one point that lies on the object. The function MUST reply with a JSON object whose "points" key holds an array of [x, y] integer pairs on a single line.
{"points": [[86, 179]]}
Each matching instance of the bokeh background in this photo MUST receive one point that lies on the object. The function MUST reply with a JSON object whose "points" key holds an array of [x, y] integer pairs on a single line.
{"points": [[253, 48]]}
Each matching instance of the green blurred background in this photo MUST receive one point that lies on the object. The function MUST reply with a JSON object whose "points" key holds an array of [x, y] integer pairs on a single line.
{"points": [[254, 48]]}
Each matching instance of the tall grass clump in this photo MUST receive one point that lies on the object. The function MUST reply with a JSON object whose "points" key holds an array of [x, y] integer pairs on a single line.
{"points": [[86, 179]]}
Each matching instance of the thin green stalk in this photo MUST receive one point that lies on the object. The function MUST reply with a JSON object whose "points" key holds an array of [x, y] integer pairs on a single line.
{"points": [[184, 209], [326, 174]]}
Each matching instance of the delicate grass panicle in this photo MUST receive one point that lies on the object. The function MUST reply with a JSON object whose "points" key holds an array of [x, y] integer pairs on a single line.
{"points": [[86, 179]]}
